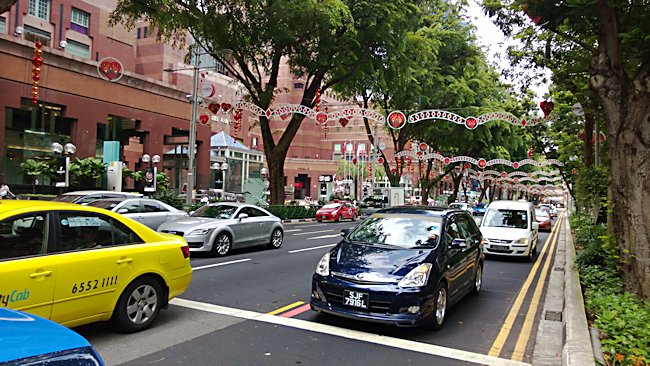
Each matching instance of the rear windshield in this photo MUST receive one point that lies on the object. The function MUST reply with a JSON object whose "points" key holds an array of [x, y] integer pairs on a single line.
{"points": [[332, 205], [67, 197], [104, 204], [517, 219]]}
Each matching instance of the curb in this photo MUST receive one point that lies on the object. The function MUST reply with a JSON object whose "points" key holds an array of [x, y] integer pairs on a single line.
{"points": [[577, 349]]}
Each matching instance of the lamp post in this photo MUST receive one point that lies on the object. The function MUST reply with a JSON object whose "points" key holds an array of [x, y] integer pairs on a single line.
{"points": [[150, 172], [220, 175], [61, 173]]}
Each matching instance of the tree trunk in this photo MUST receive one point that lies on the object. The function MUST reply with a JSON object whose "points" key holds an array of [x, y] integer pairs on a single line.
{"points": [[626, 103]]}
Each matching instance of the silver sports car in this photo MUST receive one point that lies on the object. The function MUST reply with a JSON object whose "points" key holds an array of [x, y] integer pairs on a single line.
{"points": [[218, 228]]}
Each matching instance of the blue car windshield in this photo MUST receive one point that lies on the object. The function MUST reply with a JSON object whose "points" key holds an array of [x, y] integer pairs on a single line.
{"points": [[216, 212], [403, 230]]}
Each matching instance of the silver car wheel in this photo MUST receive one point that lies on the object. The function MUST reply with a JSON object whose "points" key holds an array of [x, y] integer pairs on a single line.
{"points": [[276, 238], [223, 244], [142, 304], [441, 305]]}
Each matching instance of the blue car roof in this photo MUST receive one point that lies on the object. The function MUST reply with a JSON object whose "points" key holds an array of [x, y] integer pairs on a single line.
{"points": [[24, 335]]}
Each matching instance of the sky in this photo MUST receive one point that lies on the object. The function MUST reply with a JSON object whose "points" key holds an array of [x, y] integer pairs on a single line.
{"points": [[495, 43]]}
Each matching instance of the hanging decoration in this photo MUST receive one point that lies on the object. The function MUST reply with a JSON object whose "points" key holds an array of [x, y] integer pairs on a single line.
{"points": [[237, 117], [530, 152], [471, 160], [110, 69], [325, 129], [37, 62], [317, 100], [546, 107]]}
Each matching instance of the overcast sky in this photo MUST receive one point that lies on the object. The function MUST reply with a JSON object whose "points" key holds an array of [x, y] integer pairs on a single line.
{"points": [[495, 43]]}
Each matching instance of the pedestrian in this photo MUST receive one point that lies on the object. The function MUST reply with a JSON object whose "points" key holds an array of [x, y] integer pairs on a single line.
{"points": [[5, 192]]}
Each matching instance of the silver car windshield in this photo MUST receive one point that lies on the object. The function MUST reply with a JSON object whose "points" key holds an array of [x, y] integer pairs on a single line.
{"points": [[517, 219], [405, 231], [216, 212]]}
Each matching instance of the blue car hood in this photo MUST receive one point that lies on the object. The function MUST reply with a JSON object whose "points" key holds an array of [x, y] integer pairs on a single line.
{"points": [[24, 335], [377, 263]]}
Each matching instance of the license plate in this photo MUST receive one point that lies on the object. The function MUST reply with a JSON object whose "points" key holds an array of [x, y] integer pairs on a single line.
{"points": [[500, 247], [355, 299]]}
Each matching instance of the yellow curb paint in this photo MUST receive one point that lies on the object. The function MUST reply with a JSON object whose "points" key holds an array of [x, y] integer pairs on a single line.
{"points": [[524, 335], [285, 308], [501, 338]]}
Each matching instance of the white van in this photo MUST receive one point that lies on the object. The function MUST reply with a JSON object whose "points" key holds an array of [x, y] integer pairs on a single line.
{"points": [[510, 228]]}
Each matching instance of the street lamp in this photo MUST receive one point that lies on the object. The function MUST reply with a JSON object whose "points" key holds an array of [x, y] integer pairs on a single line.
{"points": [[150, 172], [61, 173], [220, 175]]}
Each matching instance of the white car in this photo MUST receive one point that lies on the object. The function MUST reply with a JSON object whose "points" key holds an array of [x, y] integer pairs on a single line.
{"points": [[510, 228], [85, 197], [463, 206]]}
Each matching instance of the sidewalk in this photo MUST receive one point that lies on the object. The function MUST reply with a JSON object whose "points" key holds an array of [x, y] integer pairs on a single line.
{"points": [[563, 336]]}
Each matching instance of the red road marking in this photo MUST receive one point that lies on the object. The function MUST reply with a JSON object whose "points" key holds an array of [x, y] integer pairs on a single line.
{"points": [[296, 311]]}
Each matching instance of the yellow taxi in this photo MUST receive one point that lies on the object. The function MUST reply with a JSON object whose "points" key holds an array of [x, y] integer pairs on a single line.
{"points": [[78, 264]]}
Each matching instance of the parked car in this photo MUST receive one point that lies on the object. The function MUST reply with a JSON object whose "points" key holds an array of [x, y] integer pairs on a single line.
{"points": [[479, 208], [77, 264], [464, 206], [402, 266], [337, 211], [85, 197], [552, 211], [151, 213], [217, 228], [543, 219], [27, 339], [510, 229]]}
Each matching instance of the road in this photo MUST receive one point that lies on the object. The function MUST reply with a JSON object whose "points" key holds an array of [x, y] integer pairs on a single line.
{"points": [[251, 308]]}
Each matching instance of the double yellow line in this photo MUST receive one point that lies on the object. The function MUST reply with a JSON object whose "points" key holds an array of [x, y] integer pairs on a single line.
{"points": [[524, 335]]}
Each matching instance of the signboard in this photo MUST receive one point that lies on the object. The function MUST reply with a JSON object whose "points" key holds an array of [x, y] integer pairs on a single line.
{"points": [[61, 172], [326, 178], [218, 183], [150, 179]]}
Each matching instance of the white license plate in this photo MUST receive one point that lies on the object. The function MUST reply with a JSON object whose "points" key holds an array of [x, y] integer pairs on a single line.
{"points": [[500, 247], [355, 299]]}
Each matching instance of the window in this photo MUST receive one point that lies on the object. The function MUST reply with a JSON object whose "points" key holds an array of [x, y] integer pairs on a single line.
{"points": [[253, 212], [152, 206], [337, 148], [298, 85], [145, 32], [78, 49], [39, 9], [254, 141], [81, 231], [138, 33], [79, 21], [130, 207], [35, 34], [3, 25], [23, 236]]}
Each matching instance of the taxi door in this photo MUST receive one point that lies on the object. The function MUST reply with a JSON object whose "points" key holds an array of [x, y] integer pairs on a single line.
{"points": [[28, 275], [95, 264]]}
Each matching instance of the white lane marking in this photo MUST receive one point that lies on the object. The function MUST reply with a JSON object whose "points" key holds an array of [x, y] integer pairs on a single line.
{"points": [[220, 264], [430, 349], [312, 248], [315, 232], [314, 225], [288, 231], [324, 236]]}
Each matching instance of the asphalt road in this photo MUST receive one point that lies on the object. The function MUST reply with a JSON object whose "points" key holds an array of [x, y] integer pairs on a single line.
{"points": [[251, 308]]}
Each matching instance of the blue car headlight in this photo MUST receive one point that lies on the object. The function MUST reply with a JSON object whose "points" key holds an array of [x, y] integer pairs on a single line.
{"points": [[418, 277]]}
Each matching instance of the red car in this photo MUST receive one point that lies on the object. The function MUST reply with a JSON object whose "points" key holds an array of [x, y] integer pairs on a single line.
{"points": [[543, 219], [337, 211]]}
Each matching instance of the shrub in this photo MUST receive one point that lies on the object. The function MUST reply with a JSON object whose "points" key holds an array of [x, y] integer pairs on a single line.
{"points": [[293, 212], [169, 197]]}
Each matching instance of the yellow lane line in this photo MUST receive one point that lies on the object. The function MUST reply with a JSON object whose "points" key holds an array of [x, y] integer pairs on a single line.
{"points": [[524, 335], [285, 308], [501, 338]]}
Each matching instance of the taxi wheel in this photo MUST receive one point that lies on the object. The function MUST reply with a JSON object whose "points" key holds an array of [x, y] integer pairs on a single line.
{"points": [[222, 245], [276, 239], [138, 305]]}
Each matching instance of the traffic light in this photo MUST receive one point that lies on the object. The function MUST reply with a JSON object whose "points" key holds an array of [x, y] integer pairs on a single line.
{"points": [[150, 179]]}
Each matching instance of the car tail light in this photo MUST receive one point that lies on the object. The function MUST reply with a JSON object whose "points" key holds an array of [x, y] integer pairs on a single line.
{"points": [[186, 251]]}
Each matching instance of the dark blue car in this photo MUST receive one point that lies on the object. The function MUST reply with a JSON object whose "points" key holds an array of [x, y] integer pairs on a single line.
{"points": [[402, 266], [29, 340]]}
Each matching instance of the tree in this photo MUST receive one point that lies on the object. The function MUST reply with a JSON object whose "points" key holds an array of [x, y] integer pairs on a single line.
{"points": [[325, 41], [5, 5], [614, 34], [34, 169]]}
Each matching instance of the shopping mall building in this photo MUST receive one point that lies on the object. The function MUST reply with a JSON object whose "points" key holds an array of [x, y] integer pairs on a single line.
{"points": [[144, 106]]}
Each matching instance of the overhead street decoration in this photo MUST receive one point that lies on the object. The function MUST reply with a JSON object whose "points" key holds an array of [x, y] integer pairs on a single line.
{"points": [[481, 163]]}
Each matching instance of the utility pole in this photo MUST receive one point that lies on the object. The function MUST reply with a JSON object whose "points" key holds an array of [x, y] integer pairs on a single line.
{"points": [[191, 148], [374, 158]]}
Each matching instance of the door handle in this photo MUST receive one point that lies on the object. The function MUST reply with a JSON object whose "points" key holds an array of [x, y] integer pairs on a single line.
{"points": [[124, 260], [40, 274]]}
